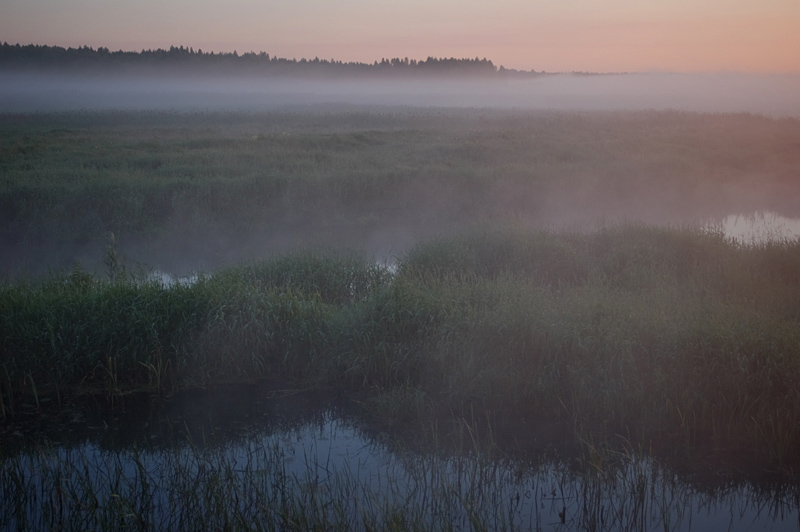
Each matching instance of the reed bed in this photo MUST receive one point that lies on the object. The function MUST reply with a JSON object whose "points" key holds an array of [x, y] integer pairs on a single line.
{"points": [[233, 183], [677, 340]]}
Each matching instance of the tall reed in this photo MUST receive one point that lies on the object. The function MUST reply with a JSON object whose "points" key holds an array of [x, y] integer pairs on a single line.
{"points": [[666, 336]]}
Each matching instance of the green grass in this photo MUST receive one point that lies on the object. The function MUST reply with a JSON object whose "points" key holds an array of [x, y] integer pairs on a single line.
{"points": [[69, 179], [676, 339]]}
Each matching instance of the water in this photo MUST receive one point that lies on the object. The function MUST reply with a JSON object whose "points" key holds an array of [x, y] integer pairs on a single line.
{"points": [[757, 228], [168, 279], [204, 460]]}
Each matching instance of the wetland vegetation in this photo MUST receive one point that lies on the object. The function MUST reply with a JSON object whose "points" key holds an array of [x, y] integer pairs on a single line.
{"points": [[632, 352], [193, 191]]}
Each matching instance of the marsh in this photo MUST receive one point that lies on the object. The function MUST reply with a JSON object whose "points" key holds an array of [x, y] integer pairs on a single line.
{"points": [[566, 315]]}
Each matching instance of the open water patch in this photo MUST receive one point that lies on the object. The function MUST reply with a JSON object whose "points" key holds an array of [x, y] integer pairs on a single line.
{"points": [[298, 460], [168, 280], [756, 228]]}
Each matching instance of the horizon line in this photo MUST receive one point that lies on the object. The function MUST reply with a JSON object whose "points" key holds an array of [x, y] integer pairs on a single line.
{"points": [[498, 68]]}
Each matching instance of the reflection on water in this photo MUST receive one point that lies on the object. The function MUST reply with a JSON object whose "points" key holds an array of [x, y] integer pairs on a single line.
{"points": [[758, 228], [298, 464], [167, 279]]}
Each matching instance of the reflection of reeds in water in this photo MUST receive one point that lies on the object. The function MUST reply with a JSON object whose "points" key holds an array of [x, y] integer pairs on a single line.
{"points": [[267, 484]]}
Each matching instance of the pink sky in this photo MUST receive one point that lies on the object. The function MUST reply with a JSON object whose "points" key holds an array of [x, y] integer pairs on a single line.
{"points": [[551, 35]]}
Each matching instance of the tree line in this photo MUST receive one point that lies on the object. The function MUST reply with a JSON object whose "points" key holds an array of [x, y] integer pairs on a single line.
{"points": [[182, 59]]}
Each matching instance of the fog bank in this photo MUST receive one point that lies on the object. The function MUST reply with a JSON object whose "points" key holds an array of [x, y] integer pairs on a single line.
{"points": [[772, 95]]}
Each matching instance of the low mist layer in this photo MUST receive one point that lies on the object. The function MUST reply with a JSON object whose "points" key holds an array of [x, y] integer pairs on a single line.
{"points": [[774, 95], [193, 191]]}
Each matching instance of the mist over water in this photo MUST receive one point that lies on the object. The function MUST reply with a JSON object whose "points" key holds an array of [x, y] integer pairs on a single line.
{"points": [[442, 173], [771, 95], [639, 190]]}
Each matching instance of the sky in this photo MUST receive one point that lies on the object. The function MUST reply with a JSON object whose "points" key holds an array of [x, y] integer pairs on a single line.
{"points": [[549, 35]]}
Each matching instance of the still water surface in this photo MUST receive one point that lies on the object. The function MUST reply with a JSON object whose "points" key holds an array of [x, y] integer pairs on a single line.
{"points": [[258, 453], [758, 227]]}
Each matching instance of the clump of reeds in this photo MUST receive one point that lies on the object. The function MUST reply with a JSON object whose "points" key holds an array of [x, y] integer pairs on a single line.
{"points": [[667, 336]]}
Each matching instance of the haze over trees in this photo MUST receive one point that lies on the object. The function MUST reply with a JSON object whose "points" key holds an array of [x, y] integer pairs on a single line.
{"points": [[181, 59]]}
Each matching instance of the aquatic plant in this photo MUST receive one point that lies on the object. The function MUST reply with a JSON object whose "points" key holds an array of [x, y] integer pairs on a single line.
{"points": [[675, 338]]}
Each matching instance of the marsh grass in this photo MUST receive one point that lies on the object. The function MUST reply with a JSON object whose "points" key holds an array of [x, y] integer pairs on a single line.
{"points": [[224, 180], [675, 339], [627, 342]]}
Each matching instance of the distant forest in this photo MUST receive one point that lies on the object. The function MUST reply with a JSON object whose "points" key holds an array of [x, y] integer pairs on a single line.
{"points": [[188, 60]]}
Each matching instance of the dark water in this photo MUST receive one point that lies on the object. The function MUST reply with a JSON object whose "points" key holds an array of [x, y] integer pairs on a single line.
{"points": [[257, 449]]}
